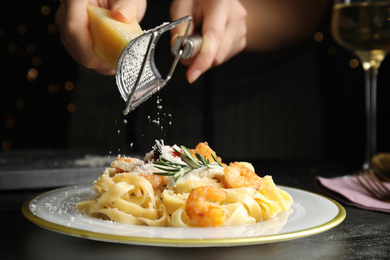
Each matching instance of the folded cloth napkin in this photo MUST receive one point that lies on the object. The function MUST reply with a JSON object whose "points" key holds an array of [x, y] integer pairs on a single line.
{"points": [[348, 190]]}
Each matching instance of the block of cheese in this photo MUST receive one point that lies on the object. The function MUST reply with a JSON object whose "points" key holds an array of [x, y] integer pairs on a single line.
{"points": [[110, 36]]}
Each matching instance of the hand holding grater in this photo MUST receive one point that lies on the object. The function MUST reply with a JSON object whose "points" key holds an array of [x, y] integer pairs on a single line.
{"points": [[137, 77]]}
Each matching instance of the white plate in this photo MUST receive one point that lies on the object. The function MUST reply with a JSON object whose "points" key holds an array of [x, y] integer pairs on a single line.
{"points": [[55, 210]]}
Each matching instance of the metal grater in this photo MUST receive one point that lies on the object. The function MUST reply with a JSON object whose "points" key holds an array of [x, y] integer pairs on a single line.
{"points": [[137, 77]]}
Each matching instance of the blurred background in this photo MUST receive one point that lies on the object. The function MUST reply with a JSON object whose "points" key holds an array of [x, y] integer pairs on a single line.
{"points": [[302, 103]]}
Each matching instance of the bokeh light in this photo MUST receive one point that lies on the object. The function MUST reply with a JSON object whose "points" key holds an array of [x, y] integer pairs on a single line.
{"points": [[354, 63], [45, 10], [20, 103], [30, 49], [69, 86], [36, 61], [6, 145], [32, 74], [318, 37], [21, 29], [52, 88], [71, 107]]}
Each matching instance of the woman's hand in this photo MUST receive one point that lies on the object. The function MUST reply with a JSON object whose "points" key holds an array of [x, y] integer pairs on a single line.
{"points": [[222, 24], [73, 22]]}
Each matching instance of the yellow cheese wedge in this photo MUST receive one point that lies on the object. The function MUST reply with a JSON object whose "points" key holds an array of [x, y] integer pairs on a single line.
{"points": [[110, 36]]}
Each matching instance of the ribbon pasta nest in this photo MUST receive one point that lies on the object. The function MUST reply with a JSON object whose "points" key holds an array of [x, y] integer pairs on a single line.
{"points": [[180, 187]]}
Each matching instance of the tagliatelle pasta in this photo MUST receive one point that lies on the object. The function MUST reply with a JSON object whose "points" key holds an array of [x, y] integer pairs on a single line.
{"points": [[177, 187]]}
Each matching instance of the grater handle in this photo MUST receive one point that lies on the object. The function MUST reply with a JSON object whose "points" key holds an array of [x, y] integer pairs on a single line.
{"points": [[190, 47]]}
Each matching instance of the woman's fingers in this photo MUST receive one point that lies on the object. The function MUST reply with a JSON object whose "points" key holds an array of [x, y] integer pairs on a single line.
{"points": [[223, 27]]}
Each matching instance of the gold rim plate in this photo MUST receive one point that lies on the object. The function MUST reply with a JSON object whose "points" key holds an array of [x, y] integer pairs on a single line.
{"points": [[310, 214]]}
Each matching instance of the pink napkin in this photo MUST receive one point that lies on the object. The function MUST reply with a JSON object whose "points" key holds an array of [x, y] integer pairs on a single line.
{"points": [[352, 193]]}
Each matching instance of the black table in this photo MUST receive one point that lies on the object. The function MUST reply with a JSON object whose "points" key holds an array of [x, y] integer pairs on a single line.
{"points": [[363, 234]]}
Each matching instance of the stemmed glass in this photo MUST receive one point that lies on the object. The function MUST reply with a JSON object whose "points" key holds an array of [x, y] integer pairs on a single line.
{"points": [[363, 26]]}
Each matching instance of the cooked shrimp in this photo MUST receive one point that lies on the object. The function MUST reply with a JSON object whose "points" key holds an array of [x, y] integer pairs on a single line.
{"points": [[154, 179], [238, 176], [200, 211], [125, 164], [205, 151]]}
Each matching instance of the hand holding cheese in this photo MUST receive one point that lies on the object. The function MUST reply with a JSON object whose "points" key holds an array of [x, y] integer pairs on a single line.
{"points": [[110, 37], [91, 35]]}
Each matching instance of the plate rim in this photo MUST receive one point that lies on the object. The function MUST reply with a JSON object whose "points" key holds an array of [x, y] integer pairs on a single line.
{"points": [[207, 242]]}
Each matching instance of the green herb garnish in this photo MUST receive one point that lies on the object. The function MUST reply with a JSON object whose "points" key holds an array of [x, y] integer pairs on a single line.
{"points": [[178, 170]]}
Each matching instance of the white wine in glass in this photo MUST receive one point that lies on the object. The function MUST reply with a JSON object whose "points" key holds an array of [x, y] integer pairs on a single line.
{"points": [[363, 26]]}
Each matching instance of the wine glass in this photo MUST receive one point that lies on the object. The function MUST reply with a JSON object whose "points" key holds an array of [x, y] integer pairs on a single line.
{"points": [[363, 26]]}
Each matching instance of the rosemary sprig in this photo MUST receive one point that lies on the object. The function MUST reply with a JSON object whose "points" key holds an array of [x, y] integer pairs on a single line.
{"points": [[178, 170]]}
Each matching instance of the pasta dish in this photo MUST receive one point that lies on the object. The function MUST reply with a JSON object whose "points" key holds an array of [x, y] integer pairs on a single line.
{"points": [[179, 187]]}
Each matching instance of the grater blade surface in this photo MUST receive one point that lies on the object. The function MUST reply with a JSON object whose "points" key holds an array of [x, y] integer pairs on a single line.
{"points": [[129, 69], [137, 77]]}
